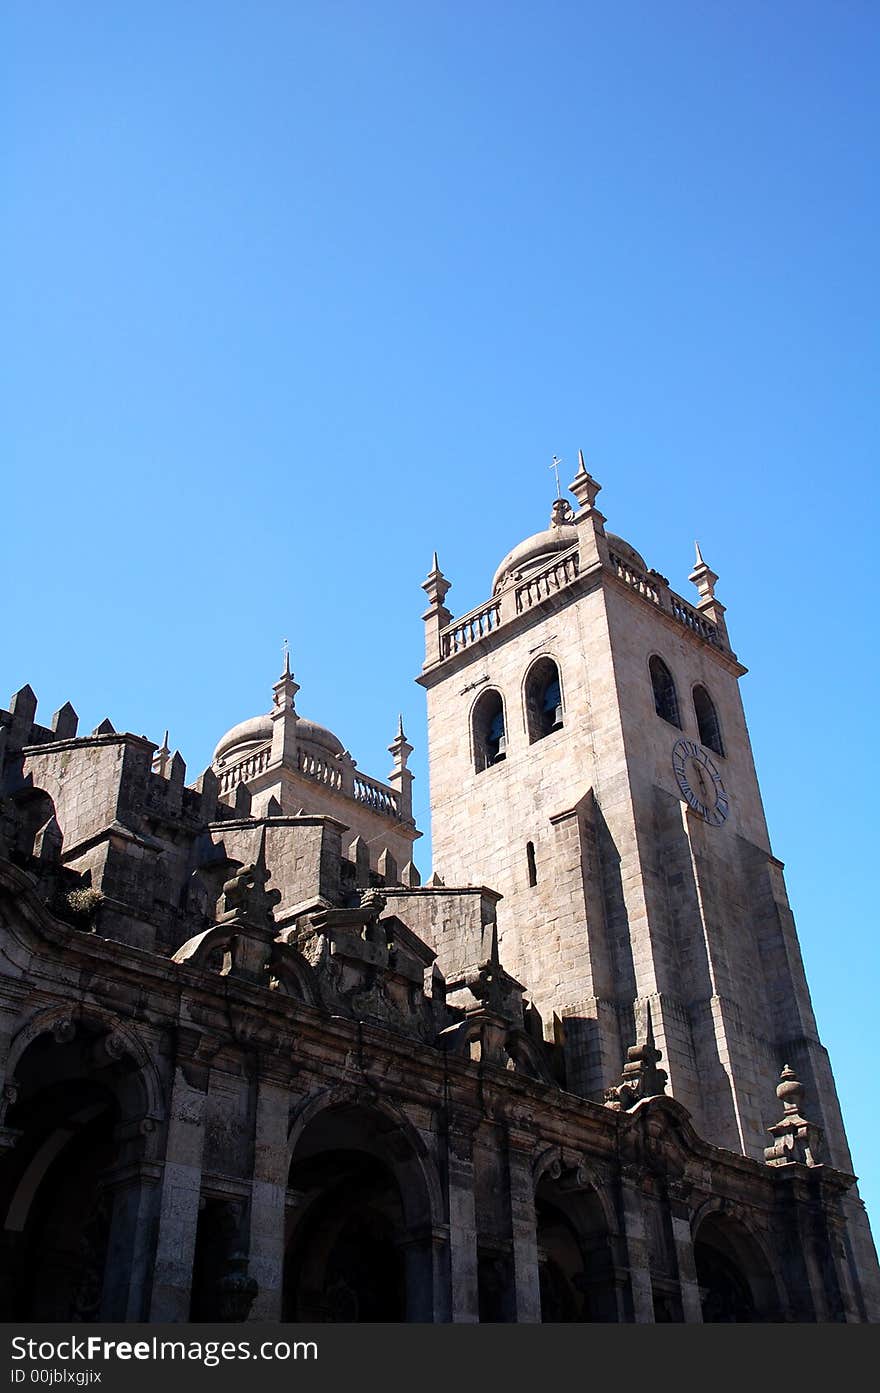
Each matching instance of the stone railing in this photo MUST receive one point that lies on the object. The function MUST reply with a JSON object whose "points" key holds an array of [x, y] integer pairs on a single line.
{"points": [[667, 600], [636, 579], [469, 628], [246, 769], [375, 795], [694, 620], [556, 576], [321, 770]]}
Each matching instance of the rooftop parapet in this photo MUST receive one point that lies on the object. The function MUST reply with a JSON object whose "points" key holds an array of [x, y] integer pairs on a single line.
{"points": [[551, 564]]}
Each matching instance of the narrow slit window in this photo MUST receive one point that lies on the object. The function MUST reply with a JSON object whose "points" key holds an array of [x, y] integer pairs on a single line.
{"points": [[530, 863]]}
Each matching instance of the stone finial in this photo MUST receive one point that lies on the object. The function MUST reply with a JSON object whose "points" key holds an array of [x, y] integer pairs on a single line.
{"points": [[640, 1078], [400, 749], [177, 769], [435, 585], [284, 716], [161, 758], [560, 513], [409, 876], [285, 689], [703, 576], [796, 1138], [23, 704], [359, 853], [436, 616], [65, 722], [387, 866], [400, 777], [245, 897], [583, 485], [105, 728]]}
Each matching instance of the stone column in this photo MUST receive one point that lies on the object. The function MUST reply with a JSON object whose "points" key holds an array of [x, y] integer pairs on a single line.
{"points": [[181, 1180], [268, 1194], [132, 1189], [465, 1304], [420, 1277], [679, 1211], [636, 1245], [527, 1287], [12, 998]]}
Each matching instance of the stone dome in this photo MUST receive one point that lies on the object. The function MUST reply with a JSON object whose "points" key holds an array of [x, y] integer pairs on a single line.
{"points": [[626, 552], [250, 734], [534, 552]]}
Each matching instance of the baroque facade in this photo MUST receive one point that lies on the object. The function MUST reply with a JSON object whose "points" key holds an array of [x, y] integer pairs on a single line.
{"points": [[254, 1069]]}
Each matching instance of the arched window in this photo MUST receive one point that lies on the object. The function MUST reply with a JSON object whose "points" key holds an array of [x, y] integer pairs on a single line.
{"points": [[707, 720], [665, 696], [490, 738], [543, 699]]}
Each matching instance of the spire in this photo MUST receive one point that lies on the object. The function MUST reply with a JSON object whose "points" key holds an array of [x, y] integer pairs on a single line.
{"points": [[285, 688], [583, 485], [703, 576], [284, 715], [436, 616], [161, 757], [435, 584], [400, 777]]}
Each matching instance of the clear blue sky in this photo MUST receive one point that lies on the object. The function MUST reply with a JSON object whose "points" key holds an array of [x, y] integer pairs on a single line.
{"points": [[296, 293]]}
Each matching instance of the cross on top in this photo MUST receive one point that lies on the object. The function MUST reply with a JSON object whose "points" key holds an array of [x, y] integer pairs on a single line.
{"points": [[555, 467]]}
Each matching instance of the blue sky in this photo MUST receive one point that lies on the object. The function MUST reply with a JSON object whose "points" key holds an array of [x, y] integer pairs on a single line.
{"points": [[299, 292]]}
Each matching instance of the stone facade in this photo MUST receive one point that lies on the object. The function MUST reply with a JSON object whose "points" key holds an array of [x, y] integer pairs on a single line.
{"points": [[253, 1069]]}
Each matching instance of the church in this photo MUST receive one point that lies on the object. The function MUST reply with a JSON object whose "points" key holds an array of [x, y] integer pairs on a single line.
{"points": [[254, 1067]]}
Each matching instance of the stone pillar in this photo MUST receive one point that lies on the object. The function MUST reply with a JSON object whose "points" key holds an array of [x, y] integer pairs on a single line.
{"points": [[527, 1286], [11, 1001], [590, 522], [284, 718], [268, 1195], [463, 1273], [682, 1238], [133, 1192], [419, 1276], [401, 778], [436, 616], [636, 1245], [181, 1181]]}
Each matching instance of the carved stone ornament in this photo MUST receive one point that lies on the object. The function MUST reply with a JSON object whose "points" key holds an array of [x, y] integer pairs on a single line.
{"points": [[641, 1077], [796, 1138]]}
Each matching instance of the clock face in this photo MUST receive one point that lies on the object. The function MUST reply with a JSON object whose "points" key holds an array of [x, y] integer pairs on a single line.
{"points": [[700, 782]]}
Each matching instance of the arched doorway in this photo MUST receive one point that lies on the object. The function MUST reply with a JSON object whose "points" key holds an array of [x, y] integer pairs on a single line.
{"points": [[736, 1284], [574, 1256], [73, 1111], [359, 1238]]}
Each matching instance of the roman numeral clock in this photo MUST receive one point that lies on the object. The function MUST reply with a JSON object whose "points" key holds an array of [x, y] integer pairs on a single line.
{"points": [[700, 782]]}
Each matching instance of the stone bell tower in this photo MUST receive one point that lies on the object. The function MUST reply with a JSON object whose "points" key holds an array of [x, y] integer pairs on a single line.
{"points": [[589, 759]]}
